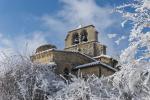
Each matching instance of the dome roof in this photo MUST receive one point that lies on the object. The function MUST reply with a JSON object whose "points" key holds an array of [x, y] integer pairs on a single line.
{"points": [[45, 47]]}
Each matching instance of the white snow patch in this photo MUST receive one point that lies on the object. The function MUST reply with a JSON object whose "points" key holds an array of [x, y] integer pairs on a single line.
{"points": [[123, 23]]}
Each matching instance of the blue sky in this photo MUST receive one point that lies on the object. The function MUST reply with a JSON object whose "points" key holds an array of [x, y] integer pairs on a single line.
{"points": [[26, 24]]}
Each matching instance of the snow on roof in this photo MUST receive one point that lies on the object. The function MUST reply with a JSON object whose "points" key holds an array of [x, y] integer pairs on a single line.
{"points": [[82, 28], [65, 51], [53, 49], [44, 51], [51, 63], [102, 55], [95, 63]]}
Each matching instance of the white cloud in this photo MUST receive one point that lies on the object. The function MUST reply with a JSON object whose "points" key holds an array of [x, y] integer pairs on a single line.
{"points": [[85, 12], [113, 35], [28, 44], [72, 14], [4, 40], [119, 40], [5, 47], [23, 44], [53, 23], [76, 12]]}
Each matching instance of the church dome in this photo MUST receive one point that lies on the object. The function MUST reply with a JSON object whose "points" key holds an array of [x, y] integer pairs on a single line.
{"points": [[45, 47]]}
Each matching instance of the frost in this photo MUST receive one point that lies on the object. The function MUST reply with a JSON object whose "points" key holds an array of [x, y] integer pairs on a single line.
{"points": [[22, 79], [123, 23]]}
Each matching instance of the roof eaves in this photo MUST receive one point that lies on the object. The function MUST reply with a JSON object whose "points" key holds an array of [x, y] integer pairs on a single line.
{"points": [[95, 63]]}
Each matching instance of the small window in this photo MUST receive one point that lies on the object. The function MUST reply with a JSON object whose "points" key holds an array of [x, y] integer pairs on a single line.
{"points": [[84, 35]]}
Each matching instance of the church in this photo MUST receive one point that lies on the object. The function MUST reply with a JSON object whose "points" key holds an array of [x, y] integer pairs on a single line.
{"points": [[82, 53]]}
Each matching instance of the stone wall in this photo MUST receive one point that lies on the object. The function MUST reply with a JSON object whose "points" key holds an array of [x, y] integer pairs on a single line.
{"points": [[91, 49], [106, 72], [43, 57], [63, 59], [89, 71], [99, 49], [97, 70], [69, 60], [107, 60]]}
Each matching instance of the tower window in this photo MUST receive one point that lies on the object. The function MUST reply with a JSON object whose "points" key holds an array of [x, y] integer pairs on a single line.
{"points": [[84, 35], [75, 38]]}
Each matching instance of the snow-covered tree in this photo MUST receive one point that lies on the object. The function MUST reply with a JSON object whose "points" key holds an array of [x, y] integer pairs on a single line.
{"points": [[132, 82], [133, 78], [21, 79]]}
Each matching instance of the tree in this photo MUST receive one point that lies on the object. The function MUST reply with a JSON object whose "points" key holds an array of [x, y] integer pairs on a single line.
{"points": [[132, 82]]}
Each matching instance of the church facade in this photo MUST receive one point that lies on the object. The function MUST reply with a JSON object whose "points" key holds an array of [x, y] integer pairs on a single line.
{"points": [[82, 53]]}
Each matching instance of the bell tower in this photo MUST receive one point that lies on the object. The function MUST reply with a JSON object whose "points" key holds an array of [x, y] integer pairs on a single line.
{"points": [[84, 40]]}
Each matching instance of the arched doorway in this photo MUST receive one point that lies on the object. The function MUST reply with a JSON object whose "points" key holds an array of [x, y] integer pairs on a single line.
{"points": [[75, 38], [66, 73]]}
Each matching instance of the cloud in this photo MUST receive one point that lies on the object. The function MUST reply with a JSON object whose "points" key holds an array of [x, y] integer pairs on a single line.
{"points": [[113, 35], [76, 12], [72, 14], [86, 12], [28, 44], [4, 41], [81, 12], [120, 39], [54, 23], [5, 47], [24, 44]]}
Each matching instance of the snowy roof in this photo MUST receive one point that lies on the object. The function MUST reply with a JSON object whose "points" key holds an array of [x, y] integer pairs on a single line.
{"points": [[44, 51], [102, 55], [66, 52], [81, 28], [51, 63], [95, 63], [105, 56]]}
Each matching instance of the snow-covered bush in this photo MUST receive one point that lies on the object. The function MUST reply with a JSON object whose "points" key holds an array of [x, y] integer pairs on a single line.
{"points": [[132, 82], [21, 79]]}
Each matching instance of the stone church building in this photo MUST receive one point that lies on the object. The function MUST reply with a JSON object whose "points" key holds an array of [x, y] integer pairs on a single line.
{"points": [[82, 53]]}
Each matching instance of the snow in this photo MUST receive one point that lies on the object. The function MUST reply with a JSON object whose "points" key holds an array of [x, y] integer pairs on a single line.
{"points": [[44, 51], [95, 63], [80, 26], [107, 56], [24, 77], [123, 23], [146, 4]]}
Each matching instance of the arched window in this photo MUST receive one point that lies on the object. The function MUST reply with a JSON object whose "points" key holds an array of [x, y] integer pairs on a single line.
{"points": [[75, 38], [66, 73], [84, 35]]}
